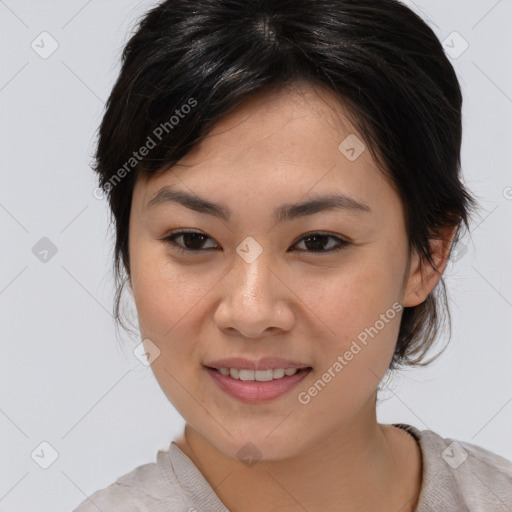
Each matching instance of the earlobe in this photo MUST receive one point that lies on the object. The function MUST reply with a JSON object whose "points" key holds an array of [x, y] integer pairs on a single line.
{"points": [[423, 277]]}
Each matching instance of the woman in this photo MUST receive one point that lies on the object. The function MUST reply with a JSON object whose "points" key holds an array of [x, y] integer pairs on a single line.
{"points": [[284, 177]]}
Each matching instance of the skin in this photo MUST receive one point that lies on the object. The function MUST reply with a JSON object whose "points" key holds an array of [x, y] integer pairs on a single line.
{"points": [[297, 300]]}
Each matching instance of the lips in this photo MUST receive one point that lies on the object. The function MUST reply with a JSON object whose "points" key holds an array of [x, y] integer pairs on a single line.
{"points": [[254, 391]]}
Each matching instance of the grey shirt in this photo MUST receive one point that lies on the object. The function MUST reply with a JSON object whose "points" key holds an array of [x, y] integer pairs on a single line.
{"points": [[457, 476]]}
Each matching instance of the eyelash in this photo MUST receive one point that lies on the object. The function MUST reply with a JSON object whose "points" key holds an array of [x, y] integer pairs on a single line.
{"points": [[170, 240]]}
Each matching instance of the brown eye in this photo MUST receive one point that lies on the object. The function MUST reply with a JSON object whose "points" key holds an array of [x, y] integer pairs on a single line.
{"points": [[319, 242], [192, 241]]}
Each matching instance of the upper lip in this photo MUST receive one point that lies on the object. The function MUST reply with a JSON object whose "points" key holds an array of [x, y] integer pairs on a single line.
{"points": [[265, 363]]}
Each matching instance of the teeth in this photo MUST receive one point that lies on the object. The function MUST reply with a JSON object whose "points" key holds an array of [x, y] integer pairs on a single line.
{"points": [[258, 375]]}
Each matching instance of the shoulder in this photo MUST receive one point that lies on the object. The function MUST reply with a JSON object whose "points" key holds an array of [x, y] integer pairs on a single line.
{"points": [[152, 486], [459, 475]]}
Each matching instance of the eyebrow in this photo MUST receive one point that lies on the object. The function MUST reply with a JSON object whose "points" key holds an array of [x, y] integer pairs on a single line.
{"points": [[285, 212]]}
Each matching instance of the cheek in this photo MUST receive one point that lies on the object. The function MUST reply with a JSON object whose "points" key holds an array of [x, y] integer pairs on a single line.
{"points": [[166, 300], [350, 299], [166, 293], [359, 312]]}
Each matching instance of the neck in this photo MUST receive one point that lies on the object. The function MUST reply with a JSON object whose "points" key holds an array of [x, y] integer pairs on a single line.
{"points": [[358, 467]]}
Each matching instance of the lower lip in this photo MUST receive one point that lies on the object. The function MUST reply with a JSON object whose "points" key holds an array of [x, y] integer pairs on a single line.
{"points": [[255, 392]]}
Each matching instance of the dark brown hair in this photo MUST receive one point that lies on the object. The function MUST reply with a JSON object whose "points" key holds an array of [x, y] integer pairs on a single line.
{"points": [[379, 58]]}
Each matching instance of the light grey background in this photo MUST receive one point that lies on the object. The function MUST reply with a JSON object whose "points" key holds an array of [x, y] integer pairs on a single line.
{"points": [[64, 378]]}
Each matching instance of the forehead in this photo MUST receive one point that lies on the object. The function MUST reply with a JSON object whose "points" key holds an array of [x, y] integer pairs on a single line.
{"points": [[296, 118], [278, 145]]}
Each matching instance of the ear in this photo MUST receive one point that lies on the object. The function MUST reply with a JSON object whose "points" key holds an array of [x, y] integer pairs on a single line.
{"points": [[423, 278]]}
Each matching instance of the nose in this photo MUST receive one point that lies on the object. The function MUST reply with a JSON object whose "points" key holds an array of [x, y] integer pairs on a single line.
{"points": [[256, 299]]}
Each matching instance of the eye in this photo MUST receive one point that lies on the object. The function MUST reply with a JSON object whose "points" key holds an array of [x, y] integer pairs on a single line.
{"points": [[192, 241], [318, 242], [315, 242]]}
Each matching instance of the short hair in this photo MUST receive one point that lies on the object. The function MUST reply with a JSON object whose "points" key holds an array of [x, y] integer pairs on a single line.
{"points": [[380, 59]]}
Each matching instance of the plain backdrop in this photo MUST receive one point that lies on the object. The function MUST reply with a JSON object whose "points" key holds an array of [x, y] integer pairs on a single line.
{"points": [[65, 380]]}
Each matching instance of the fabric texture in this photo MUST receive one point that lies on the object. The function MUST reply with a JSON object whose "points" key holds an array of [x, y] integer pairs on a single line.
{"points": [[457, 476]]}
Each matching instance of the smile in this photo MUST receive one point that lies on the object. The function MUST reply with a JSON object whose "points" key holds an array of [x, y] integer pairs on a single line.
{"points": [[257, 386], [259, 375]]}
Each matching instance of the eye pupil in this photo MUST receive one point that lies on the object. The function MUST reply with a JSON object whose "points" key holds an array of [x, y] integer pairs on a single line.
{"points": [[316, 238], [197, 236]]}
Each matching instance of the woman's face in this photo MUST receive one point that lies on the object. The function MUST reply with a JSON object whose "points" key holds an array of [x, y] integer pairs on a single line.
{"points": [[264, 285]]}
